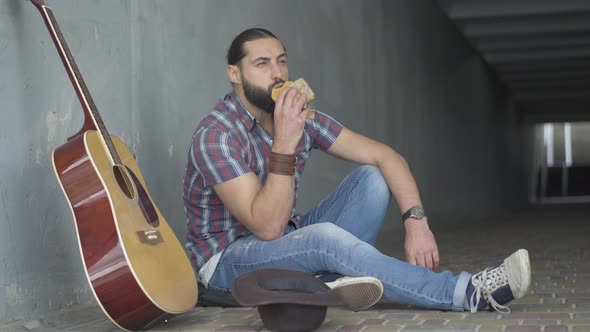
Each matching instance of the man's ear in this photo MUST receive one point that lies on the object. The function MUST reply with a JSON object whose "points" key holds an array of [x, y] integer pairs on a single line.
{"points": [[233, 74]]}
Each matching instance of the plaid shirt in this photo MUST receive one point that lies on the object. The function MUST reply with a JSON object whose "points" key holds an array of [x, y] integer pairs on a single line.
{"points": [[229, 143]]}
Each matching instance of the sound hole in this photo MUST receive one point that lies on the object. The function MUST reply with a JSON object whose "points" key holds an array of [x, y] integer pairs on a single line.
{"points": [[123, 181], [147, 207]]}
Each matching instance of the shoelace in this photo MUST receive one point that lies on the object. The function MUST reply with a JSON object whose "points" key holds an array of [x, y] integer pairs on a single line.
{"points": [[485, 283]]}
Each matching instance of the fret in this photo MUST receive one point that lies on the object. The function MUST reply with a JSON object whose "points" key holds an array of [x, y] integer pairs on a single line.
{"points": [[88, 105]]}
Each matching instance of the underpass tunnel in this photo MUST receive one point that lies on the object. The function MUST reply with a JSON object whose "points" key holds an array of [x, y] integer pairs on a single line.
{"points": [[487, 101]]}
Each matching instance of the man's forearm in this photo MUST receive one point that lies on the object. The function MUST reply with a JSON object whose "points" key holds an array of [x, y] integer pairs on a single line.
{"points": [[400, 180], [273, 205]]}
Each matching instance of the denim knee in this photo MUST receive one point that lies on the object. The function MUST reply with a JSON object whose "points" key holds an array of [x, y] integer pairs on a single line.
{"points": [[326, 233], [372, 183], [336, 245]]}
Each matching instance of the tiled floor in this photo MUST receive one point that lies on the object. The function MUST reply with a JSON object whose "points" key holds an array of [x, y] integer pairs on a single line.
{"points": [[558, 240]]}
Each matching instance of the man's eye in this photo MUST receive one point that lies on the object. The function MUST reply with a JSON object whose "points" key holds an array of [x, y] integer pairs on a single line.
{"points": [[261, 64]]}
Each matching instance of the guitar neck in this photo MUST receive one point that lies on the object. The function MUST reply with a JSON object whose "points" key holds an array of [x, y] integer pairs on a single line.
{"points": [[91, 115]]}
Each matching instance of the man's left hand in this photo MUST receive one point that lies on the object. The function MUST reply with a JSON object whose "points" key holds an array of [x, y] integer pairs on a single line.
{"points": [[420, 246]]}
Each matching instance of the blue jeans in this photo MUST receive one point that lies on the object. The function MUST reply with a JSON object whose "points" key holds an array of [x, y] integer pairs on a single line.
{"points": [[338, 236]]}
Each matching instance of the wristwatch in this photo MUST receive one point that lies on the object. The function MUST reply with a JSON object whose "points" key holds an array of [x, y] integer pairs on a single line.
{"points": [[415, 212]]}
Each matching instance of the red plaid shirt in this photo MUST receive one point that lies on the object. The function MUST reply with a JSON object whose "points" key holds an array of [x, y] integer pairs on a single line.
{"points": [[229, 143]]}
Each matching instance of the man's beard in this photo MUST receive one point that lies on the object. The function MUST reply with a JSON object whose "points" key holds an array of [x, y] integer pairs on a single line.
{"points": [[258, 96]]}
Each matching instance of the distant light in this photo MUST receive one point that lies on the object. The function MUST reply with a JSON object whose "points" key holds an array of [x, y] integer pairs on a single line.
{"points": [[567, 132], [548, 140]]}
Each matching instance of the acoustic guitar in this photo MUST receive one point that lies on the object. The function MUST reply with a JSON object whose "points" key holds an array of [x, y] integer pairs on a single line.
{"points": [[136, 267]]}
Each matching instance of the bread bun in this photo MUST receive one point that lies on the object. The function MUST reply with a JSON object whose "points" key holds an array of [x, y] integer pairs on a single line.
{"points": [[299, 84]]}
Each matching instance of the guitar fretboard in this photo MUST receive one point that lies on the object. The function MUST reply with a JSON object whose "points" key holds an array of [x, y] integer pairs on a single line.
{"points": [[80, 87]]}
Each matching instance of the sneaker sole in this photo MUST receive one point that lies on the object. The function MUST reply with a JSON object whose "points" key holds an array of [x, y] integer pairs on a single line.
{"points": [[519, 261], [360, 294]]}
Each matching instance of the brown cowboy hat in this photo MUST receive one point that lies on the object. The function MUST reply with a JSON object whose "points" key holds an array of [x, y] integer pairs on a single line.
{"points": [[286, 300]]}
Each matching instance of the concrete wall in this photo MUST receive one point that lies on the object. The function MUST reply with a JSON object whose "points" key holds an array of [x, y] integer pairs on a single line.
{"points": [[397, 71]]}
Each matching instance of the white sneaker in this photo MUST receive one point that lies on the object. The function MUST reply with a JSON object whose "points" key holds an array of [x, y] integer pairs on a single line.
{"points": [[500, 285], [359, 293]]}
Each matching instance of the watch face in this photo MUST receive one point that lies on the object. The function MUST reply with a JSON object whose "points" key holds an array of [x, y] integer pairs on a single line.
{"points": [[417, 212]]}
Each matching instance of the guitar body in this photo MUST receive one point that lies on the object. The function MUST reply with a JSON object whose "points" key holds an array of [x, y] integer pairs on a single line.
{"points": [[136, 267]]}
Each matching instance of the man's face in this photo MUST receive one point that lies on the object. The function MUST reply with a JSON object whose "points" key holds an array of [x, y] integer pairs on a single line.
{"points": [[263, 68]]}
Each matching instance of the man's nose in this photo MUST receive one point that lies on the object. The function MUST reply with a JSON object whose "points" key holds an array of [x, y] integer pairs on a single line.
{"points": [[275, 71]]}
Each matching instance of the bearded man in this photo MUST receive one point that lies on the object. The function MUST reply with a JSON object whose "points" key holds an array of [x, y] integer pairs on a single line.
{"points": [[244, 166]]}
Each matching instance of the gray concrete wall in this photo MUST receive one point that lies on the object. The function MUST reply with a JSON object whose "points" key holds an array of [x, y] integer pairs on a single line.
{"points": [[397, 71]]}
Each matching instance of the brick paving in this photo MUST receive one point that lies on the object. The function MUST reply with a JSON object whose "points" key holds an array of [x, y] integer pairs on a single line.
{"points": [[558, 241]]}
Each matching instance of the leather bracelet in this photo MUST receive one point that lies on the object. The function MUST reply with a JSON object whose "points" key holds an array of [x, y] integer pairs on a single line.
{"points": [[282, 171], [282, 164], [290, 158]]}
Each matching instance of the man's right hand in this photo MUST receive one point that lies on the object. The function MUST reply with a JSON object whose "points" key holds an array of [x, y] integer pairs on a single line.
{"points": [[289, 120]]}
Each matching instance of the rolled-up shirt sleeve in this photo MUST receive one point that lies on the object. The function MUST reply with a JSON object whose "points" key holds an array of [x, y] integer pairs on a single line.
{"points": [[324, 130]]}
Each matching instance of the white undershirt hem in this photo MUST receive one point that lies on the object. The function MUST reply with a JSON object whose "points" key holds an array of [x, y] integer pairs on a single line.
{"points": [[207, 270]]}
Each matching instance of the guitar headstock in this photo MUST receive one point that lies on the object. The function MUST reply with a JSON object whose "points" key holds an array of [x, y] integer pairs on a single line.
{"points": [[38, 3]]}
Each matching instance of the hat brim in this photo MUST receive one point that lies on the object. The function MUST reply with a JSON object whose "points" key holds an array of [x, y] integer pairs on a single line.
{"points": [[270, 286]]}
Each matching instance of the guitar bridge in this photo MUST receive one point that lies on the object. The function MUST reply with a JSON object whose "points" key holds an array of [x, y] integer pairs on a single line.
{"points": [[150, 237]]}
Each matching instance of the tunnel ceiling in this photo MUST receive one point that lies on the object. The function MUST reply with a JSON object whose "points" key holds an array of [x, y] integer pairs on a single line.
{"points": [[540, 50]]}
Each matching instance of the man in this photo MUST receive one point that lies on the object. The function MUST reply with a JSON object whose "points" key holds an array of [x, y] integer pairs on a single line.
{"points": [[240, 192]]}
